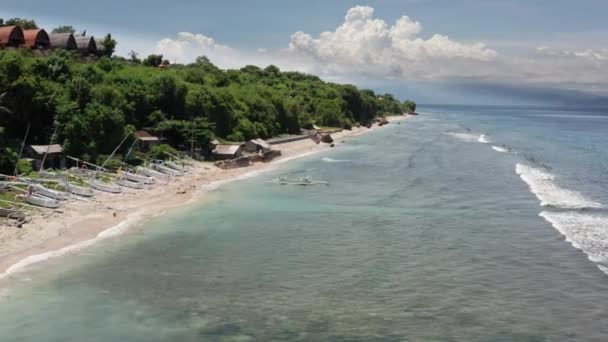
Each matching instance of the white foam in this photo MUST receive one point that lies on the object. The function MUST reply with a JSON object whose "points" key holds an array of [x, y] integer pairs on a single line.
{"points": [[483, 139], [542, 184], [463, 136], [587, 232], [116, 230], [500, 149], [331, 160]]}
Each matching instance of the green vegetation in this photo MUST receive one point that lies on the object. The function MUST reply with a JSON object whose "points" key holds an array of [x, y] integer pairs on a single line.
{"points": [[95, 104]]}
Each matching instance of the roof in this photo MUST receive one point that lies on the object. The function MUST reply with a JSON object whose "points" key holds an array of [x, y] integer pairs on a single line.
{"points": [[35, 37], [227, 149], [62, 41], [11, 34], [42, 149], [145, 136], [261, 143], [85, 43]]}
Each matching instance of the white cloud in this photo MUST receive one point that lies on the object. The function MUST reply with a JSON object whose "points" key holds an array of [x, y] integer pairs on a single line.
{"points": [[367, 47], [186, 46]]}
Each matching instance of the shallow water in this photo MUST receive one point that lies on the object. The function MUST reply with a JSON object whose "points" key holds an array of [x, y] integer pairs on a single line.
{"points": [[425, 233]]}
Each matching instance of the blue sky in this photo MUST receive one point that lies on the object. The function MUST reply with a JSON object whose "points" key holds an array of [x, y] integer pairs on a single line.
{"points": [[540, 44]]}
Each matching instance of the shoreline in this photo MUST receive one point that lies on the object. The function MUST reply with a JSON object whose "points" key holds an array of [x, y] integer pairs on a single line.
{"points": [[51, 234]]}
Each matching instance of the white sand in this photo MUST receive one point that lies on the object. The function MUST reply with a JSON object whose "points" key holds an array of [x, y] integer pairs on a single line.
{"points": [[78, 223]]}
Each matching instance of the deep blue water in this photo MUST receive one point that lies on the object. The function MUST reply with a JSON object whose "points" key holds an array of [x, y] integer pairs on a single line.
{"points": [[424, 234]]}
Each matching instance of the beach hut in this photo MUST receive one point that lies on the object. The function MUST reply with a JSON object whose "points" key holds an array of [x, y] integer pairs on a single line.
{"points": [[86, 45], [146, 140], [36, 39], [101, 49], [227, 151], [54, 156], [257, 145], [64, 41], [11, 36]]}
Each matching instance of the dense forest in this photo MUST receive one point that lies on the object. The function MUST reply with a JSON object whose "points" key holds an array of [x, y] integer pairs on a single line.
{"points": [[90, 104]]}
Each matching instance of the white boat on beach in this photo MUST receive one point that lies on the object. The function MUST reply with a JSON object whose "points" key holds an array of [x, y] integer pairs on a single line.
{"points": [[129, 184], [40, 201], [167, 170], [78, 190], [106, 187], [150, 173], [175, 166], [46, 192], [139, 178]]}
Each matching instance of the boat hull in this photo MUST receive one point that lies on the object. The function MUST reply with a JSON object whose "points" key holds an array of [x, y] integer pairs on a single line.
{"points": [[97, 185], [129, 184], [79, 190], [54, 194], [42, 201]]}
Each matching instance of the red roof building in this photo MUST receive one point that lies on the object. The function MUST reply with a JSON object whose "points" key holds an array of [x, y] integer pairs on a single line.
{"points": [[11, 36], [36, 39]]}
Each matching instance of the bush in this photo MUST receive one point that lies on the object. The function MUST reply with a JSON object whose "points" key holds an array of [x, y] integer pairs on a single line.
{"points": [[158, 152], [24, 166]]}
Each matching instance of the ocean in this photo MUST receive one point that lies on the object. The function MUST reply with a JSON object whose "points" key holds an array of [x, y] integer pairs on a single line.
{"points": [[463, 224]]}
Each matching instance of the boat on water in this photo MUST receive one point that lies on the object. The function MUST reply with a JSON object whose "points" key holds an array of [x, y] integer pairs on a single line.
{"points": [[46, 192], [106, 187], [304, 181], [129, 184], [41, 201], [78, 190], [150, 173], [133, 177], [167, 170]]}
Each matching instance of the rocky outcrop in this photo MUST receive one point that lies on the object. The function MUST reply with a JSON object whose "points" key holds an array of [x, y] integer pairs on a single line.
{"points": [[326, 138], [382, 122]]}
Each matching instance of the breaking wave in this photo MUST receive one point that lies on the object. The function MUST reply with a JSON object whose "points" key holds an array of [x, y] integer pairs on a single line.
{"points": [[331, 160], [499, 149], [543, 186], [463, 136], [483, 139], [586, 232]]}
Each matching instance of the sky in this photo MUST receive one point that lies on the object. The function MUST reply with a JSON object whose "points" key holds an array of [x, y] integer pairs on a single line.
{"points": [[433, 51]]}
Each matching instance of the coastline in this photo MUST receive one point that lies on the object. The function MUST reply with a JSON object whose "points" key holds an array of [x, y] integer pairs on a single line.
{"points": [[52, 234]]}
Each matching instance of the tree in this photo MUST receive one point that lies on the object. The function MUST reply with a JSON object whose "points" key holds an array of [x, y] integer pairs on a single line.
{"points": [[64, 29], [109, 45], [133, 57], [153, 60], [409, 106], [26, 24]]}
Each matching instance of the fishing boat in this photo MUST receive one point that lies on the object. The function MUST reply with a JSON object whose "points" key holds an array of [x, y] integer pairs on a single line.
{"points": [[41, 201], [167, 170], [150, 173], [14, 214], [78, 190], [49, 174], [133, 177], [304, 181], [46, 192], [175, 166], [129, 184], [106, 187]]}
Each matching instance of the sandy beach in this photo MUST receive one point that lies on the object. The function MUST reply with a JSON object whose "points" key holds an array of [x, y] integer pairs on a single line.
{"points": [[80, 223]]}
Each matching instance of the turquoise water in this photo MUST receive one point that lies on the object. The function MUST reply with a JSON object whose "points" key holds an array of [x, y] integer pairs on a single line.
{"points": [[424, 234]]}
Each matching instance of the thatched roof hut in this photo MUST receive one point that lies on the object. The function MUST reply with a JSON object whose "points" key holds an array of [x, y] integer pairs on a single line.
{"points": [[101, 49], [227, 151], [11, 36], [36, 39], [64, 41], [86, 44]]}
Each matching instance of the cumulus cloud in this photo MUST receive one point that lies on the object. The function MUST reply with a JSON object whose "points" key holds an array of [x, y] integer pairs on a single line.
{"points": [[364, 46], [363, 42], [186, 46]]}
